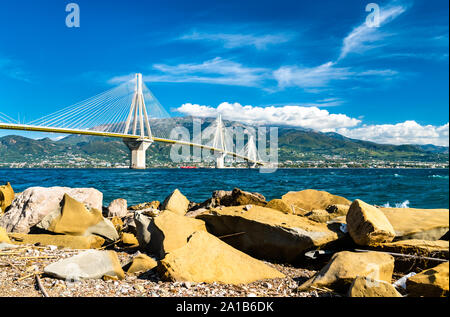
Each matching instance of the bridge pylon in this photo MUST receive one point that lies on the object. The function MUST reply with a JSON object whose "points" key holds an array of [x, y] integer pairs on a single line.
{"points": [[219, 143], [252, 152], [138, 118]]}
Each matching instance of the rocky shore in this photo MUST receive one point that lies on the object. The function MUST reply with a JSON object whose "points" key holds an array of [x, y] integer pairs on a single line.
{"points": [[62, 242]]}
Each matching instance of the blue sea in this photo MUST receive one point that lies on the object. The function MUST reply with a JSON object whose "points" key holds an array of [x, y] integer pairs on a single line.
{"points": [[415, 188]]}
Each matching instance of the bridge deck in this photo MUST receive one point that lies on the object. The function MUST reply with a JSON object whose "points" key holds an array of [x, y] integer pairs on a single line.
{"points": [[23, 127]]}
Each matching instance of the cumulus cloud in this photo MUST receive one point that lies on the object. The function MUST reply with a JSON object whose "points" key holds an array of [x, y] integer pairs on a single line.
{"points": [[408, 132], [296, 116]]}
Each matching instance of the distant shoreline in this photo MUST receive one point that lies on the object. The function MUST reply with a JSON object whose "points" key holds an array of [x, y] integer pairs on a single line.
{"points": [[228, 168]]}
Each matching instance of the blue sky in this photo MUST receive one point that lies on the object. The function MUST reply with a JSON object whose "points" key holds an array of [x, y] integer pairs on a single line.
{"points": [[315, 64]]}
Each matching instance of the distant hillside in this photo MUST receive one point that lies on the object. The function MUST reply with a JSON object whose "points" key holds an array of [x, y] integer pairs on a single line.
{"points": [[295, 144]]}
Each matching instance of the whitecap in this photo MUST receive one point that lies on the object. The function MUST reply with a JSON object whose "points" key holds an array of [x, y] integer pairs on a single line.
{"points": [[404, 204]]}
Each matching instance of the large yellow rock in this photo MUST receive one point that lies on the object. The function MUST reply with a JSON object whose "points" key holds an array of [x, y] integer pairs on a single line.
{"points": [[304, 201], [368, 225], [6, 196], [141, 263], [281, 205], [411, 223], [267, 233], [429, 283], [176, 202], [434, 249], [165, 232], [75, 219], [367, 287], [63, 241], [345, 266], [4, 236], [206, 258]]}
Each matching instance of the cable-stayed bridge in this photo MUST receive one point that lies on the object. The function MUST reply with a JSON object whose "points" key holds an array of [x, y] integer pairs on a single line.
{"points": [[126, 112]]}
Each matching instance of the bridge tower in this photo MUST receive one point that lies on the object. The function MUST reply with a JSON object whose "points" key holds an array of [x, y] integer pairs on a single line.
{"points": [[138, 117], [252, 152], [219, 143]]}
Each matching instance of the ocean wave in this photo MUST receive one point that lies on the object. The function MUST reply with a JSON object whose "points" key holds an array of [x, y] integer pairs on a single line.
{"points": [[439, 176], [404, 204]]}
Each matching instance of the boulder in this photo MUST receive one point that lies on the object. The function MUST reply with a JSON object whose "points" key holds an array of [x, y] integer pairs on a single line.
{"points": [[166, 232], [367, 287], [345, 266], [31, 206], [434, 249], [304, 201], [6, 196], [239, 197], [212, 202], [129, 239], [141, 263], [4, 236], [74, 219], [424, 224], [205, 258], [91, 264], [281, 205], [368, 225], [128, 224], [433, 282], [236, 197], [153, 204], [268, 233], [117, 208], [176, 202], [63, 241]]}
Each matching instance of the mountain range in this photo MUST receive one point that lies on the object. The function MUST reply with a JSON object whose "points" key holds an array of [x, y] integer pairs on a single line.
{"points": [[295, 144]]}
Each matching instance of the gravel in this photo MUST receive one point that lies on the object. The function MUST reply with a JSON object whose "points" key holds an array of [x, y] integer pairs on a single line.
{"points": [[19, 266]]}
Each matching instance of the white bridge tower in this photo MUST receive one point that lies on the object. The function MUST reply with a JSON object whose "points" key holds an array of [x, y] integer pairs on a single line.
{"points": [[219, 143], [138, 117]]}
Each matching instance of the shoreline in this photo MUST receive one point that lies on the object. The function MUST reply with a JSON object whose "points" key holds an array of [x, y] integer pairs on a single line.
{"points": [[228, 168]]}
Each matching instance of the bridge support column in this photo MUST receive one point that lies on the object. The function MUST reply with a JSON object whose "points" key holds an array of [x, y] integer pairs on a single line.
{"points": [[137, 149], [251, 165], [220, 161]]}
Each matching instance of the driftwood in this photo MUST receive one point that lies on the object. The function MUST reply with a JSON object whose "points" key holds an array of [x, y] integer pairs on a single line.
{"points": [[231, 235], [41, 287], [411, 256]]}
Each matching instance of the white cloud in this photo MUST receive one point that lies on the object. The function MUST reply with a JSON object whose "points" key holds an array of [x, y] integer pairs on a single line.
{"points": [[364, 37], [408, 132], [233, 40], [314, 77], [296, 116], [322, 75], [215, 71]]}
